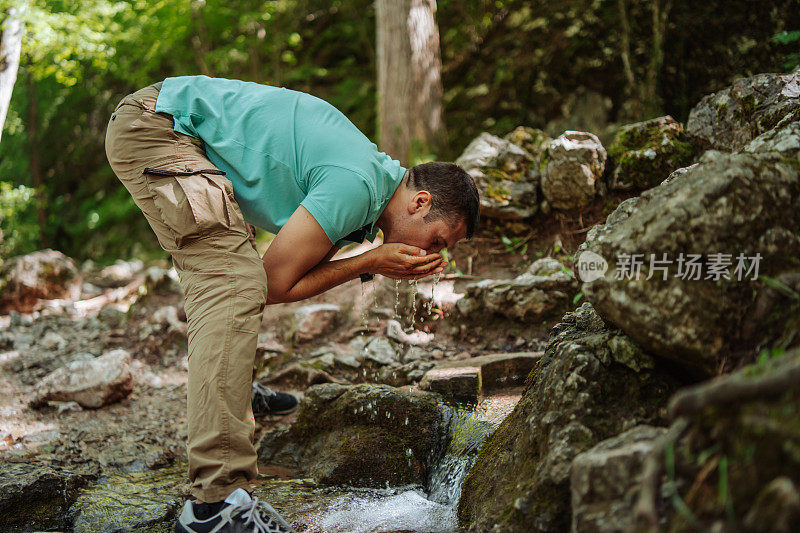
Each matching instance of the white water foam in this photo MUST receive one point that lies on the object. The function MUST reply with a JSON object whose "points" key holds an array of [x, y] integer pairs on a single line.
{"points": [[382, 511]]}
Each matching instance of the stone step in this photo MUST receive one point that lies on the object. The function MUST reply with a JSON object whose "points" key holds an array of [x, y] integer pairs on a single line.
{"points": [[467, 379]]}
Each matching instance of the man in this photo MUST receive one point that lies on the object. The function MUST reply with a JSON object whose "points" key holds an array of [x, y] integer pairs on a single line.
{"points": [[204, 158]]}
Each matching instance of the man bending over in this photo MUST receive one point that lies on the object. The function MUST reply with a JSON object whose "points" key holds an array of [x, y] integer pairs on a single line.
{"points": [[206, 158]]}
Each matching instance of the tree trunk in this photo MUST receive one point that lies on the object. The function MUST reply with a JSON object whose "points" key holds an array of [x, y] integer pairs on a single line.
{"points": [[650, 97], [409, 79], [10, 47]]}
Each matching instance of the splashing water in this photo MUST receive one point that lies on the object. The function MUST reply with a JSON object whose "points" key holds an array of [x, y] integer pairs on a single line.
{"points": [[409, 508], [413, 284], [363, 316], [396, 300]]}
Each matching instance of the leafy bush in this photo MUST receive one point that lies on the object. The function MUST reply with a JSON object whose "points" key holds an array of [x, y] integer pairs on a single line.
{"points": [[19, 231]]}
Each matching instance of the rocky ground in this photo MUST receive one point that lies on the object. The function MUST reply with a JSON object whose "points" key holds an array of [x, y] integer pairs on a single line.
{"points": [[655, 392]]}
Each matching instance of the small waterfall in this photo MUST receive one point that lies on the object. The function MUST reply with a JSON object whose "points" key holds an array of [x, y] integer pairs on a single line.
{"points": [[464, 434], [413, 508]]}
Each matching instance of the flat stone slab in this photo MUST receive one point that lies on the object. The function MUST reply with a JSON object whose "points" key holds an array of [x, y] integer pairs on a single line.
{"points": [[465, 380]]}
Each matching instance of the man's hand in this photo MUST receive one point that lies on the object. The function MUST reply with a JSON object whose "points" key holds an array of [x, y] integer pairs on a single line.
{"points": [[401, 261]]}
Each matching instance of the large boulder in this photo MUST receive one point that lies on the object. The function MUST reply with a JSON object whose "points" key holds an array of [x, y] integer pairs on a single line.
{"points": [[43, 275], [93, 383], [506, 175], [573, 165], [729, 119], [645, 153], [703, 266], [592, 383], [545, 290], [364, 435]]}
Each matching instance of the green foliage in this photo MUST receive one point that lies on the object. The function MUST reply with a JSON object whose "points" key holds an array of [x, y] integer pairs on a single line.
{"points": [[514, 244], [19, 231], [505, 63], [790, 38]]}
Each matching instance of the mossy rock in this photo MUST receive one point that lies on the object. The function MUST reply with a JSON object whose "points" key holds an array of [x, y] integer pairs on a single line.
{"points": [[729, 119], [365, 435], [147, 501], [646, 153], [592, 383], [506, 174], [37, 496]]}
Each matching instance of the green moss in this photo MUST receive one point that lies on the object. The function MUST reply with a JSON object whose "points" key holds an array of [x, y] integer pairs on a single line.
{"points": [[632, 142], [746, 108]]}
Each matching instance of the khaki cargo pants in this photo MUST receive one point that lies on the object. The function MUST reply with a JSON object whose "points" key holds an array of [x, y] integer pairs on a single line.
{"points": [[198, 222]]}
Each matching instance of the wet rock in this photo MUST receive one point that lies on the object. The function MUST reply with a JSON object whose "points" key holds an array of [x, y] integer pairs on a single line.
{"points": [[605, 480], [312, 321], [465, 380], [645, 153], [699, 240], [575, 162], [43, 275], [461, 383], [727, 120], [363, 435], [592, 383], [137, 501], [36, 495], [545, 290], [506, 176], [739, 453], [92, 384]]}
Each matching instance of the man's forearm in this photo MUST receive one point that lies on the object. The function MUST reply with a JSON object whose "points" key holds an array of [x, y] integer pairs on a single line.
{"points": [[322, 277]]}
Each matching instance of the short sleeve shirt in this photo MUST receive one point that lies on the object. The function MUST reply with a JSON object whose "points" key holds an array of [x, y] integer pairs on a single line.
{"points": [[282, 149]]}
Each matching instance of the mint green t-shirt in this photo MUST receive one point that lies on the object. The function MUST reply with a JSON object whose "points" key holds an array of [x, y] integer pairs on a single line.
{"points": [[282, 149]]}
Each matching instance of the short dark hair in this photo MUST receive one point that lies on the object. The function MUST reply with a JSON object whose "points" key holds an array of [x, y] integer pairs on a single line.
{"points": [[454, 195]]}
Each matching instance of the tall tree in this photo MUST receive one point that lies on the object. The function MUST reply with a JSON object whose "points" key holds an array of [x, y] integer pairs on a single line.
{"points": [[10, 48], [409, 78]]}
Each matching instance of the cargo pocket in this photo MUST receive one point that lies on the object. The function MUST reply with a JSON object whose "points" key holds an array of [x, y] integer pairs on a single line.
{"points": [[192, 206], [249, 309]]}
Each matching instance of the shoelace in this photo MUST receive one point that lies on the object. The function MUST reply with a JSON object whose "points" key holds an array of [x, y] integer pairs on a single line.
{"points": [[253, 513], [258, 387]]}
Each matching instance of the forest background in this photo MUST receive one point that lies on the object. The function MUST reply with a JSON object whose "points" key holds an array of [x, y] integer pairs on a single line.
{"points": [[544, 63]]}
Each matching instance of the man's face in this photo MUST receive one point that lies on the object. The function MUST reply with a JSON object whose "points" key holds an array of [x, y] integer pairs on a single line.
{"points": [[430, 236]]}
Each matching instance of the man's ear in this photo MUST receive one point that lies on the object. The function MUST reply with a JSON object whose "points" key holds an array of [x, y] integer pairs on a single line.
{"points": [[420, 203]]}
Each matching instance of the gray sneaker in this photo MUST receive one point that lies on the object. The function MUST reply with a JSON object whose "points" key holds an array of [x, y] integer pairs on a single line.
{"points": [[239, 514]]}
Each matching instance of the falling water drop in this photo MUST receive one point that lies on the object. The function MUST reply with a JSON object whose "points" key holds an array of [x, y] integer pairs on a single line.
{"points": [[413, 284], [396, 300]]}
